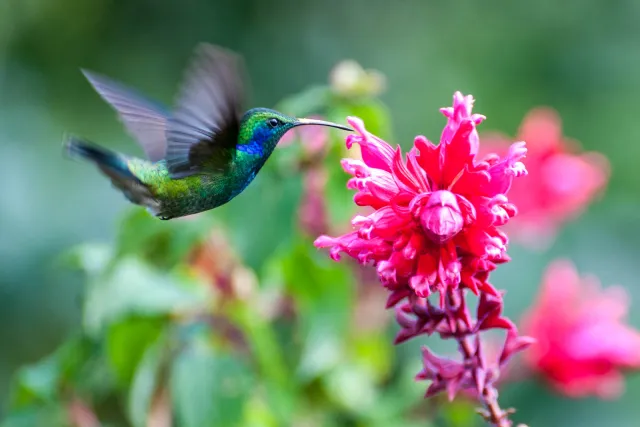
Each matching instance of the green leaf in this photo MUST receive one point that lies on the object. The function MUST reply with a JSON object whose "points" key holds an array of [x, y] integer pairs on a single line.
{"points": [[37, 383], [209, 389], [127, 342], [40, 382], [307, 102], [162, 243], [374, 352], [51, 415], [352, 387], [375, 114], [460, 413], [145, 383], [132, 287], [281, 391], [255, 235], [259, 414], [323, 291], [92, 258]]}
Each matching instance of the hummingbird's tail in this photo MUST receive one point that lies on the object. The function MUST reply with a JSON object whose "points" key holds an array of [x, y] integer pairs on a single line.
{"points": [[116, 167], [103, 158]]}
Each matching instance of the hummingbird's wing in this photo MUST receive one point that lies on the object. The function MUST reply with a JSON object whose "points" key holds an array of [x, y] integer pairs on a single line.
{"points": [[145, 121], [203, 130]]}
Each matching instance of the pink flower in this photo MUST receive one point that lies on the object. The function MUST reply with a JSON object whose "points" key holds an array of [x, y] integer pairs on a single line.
{"points": [[314, 144], [314, 139], [433, 228], [561, 182], [312, 213], [583, 341], [436, 213]]}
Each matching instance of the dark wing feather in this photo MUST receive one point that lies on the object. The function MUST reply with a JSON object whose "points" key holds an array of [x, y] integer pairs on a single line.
{"points": [[203, 131], [144, 120]]}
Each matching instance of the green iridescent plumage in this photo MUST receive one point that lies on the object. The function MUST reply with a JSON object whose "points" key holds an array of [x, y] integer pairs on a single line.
{"points": [[202, 154]]}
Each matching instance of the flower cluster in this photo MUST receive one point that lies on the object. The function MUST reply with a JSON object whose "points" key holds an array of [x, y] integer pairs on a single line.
{"points": [[312, 213], [561, 182], [435, 229], [436, 217], [583, 347]]}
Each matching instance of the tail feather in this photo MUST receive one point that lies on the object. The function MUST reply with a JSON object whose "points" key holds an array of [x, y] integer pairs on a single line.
{"points": [[103, 158], [116, 167]]}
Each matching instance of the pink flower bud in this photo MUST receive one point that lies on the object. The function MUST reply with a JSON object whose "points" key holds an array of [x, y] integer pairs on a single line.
{"points": [[441, 217]]}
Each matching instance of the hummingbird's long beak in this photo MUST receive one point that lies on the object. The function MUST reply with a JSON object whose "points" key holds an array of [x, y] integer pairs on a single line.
{"points": [[302, 122]]}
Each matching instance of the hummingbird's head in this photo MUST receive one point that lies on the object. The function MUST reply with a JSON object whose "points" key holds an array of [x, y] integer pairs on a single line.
{"points": [[263, 127]]}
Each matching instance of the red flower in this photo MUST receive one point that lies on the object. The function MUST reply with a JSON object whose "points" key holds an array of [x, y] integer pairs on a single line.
{"points": [[437, 212], [435, 227], [312, 213], [583, 341], [561, 182]]}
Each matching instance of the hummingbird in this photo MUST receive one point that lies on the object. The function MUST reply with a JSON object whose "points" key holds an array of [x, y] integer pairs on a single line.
{"points": [[200, 155]]}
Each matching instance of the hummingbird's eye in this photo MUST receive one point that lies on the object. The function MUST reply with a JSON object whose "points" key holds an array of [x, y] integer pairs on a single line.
{"points": [[273, 122]]}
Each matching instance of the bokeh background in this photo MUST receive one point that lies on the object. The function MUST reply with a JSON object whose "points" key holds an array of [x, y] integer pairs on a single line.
{"points": [[580, 57]]}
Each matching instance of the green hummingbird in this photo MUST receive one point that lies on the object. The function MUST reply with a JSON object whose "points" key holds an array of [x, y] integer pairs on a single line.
{"points": [[203, 153]]}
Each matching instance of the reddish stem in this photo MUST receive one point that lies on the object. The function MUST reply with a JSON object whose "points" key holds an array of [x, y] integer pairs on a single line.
{"points": [[492, 413]]}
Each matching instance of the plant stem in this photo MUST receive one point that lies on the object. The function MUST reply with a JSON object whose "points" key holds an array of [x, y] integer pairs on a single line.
{"points": [[492, 413]]}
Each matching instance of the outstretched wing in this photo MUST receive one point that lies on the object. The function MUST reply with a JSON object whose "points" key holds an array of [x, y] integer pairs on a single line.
{"points": [[145, 121], [202, 132]]}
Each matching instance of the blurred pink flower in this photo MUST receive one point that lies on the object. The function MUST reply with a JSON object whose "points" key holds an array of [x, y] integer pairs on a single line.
{"points": [[437, 213], [561, 182], [583, 340], [314, 139], [312, 213]]}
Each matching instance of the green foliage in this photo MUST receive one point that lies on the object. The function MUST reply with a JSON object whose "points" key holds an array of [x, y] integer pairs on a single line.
{"points": [[51, 415], [145, 384], [128, 341], [156, 325], [163, 244], [209, 389], [133, 287], [323, 291]]}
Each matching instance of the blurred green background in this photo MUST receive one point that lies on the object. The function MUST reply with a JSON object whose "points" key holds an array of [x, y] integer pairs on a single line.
{"points": [[579, 57]]}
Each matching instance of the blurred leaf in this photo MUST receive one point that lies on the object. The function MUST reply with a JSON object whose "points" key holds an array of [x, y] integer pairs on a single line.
{"points": [[37, 383], [132, 287], [323, 291], [259, 414], [127, 342], [163, 243], [281, 392], [95, 378], [251, 228], [402, 395], [41, 382], [374, 114], [51, 415], [145, 383], [374, 352], [310, 101], [352, 387], [92, 258], [209, 389], [460, 413]]}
